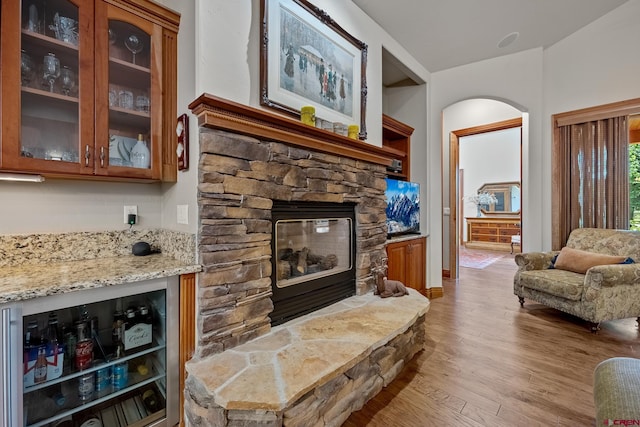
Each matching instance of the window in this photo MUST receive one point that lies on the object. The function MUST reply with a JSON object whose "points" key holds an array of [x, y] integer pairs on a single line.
{"points": [[590, 162]]}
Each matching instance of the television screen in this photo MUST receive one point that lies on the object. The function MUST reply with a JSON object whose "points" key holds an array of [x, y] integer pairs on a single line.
{"points": [[403, 207]]}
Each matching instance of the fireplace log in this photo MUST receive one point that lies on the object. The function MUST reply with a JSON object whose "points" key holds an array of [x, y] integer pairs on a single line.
{"points": [[302, 261]]}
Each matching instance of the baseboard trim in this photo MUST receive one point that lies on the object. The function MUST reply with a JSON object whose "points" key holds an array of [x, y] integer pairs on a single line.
{"points": [[434, 293], [446, 274]]}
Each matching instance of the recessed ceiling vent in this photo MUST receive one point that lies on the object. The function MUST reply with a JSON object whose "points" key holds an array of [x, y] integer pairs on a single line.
{"points": [[508, 39]]}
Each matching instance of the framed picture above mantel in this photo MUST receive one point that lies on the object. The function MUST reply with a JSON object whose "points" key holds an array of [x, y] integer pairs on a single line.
{"points": [[308, 59]]}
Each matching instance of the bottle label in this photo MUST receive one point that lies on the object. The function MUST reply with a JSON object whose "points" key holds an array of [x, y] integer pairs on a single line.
{"points": [[50, 369], [138, 335]]}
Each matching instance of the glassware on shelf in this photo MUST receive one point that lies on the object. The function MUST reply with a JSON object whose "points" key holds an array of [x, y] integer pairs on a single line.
{"points": [[32, 23], [67, 79], [51, 69], [113, 97], [65, 29], [125, 99], [142, 103], [26, 68], [113, 37], [140, 155], [135, 45]]}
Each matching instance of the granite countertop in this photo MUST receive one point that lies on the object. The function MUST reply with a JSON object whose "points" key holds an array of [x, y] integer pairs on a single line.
{"points": [[38, 280]]}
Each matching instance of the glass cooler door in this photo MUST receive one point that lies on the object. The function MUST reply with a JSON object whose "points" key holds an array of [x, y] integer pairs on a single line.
{"points": [[104, 361]]}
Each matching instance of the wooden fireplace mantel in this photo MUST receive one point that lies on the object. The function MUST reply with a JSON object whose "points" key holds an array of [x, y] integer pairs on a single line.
{"points": [[218, 113]]}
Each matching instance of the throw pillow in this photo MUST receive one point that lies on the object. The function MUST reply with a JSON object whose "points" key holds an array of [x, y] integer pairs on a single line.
{"points": [[580, 261]]}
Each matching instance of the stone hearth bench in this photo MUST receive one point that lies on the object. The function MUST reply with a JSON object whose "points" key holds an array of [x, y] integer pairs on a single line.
{"points": [[312, 371]]}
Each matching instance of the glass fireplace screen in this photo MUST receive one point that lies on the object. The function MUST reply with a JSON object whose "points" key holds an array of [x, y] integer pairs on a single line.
{"points": [[312, 248]]}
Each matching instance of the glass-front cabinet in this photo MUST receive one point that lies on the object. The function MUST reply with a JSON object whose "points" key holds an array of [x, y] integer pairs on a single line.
{"points": [[93, 94]]}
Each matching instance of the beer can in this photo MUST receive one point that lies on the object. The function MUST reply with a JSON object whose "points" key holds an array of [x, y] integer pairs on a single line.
{"points": [[103, 376], [120, 375], [86, 386], [84, 354]]}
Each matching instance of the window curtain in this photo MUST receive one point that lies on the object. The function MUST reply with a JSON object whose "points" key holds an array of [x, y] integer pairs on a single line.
{"points": [[592, 168]]}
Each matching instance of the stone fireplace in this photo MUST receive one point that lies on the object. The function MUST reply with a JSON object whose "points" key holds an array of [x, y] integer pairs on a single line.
{"points": [[248, 160], [313, 253], [253, 165]]}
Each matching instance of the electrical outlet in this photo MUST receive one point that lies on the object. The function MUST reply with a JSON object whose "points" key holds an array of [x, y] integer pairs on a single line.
{"points": [[129, 210], [183, 214]]}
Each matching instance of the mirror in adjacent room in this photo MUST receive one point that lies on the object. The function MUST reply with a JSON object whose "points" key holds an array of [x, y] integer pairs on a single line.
{"points": [[507, 198]]}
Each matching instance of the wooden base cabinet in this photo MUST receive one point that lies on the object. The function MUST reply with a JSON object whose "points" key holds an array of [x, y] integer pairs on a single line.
{"points": [[493, 233], [407, 262]]}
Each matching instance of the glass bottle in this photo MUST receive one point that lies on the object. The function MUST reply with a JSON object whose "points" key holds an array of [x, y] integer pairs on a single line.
{"points": [[40, 370], [53, 336], [31, 337], [144, 316], [117, 332], [140, 155]]}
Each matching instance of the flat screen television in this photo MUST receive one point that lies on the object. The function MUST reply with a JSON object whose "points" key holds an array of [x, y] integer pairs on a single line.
{"points": [[403, 207]]}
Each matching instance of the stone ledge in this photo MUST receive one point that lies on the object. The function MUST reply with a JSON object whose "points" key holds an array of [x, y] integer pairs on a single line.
{"points": [[353, 347]]}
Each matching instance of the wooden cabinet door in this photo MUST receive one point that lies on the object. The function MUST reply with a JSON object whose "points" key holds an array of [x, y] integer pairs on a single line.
{"points": [[128, 94], [47, 86], [416, 264], [397, 254], [407, 263]]}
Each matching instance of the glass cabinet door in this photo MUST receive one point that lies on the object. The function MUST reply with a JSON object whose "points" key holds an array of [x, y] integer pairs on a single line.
{"points": [[126, 87], [103, 361], [54, 87]]}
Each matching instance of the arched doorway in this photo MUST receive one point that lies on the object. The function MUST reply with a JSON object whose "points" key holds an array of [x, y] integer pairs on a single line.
{"points": [[464, 118]]}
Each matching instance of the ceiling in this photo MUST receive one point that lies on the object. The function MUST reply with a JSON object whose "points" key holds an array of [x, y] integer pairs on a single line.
{"points": [[442, 34]]}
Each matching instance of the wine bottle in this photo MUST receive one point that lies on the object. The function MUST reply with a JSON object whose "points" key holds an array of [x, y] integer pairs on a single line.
{"points": [[140, 155]]}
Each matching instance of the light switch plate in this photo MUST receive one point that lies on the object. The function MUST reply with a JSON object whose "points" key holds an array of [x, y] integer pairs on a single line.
{"points": [[183, 214]]}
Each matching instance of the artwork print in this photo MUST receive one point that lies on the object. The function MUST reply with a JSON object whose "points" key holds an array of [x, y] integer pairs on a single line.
{"points": [[313, 67], [307, 59]]}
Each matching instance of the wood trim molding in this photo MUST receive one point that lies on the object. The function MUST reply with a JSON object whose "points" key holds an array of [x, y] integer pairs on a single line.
{"points": [[434, 293], [454, 183], [396, 126], [600, 112], [187, 329], [218, 113]]}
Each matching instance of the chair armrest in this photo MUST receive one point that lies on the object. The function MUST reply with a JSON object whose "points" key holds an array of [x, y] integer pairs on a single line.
{"points": [[602, 276], [534, 260]]}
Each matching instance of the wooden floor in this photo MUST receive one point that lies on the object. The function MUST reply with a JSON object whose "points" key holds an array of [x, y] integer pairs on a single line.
{"points": [[488, 362]]}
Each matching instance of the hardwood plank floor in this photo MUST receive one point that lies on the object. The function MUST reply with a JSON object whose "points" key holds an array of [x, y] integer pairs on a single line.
{"points": [[488, 362]]}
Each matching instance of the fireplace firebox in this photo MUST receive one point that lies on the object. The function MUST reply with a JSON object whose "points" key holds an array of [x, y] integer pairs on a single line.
{"points": [[313, 253]]}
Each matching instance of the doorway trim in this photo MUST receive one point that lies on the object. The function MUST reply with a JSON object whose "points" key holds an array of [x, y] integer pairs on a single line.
{"points": [[454, 182]]}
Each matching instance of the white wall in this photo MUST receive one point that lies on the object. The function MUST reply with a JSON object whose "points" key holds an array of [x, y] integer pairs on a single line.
{"points": [[514, 79], [462, 115], [491, 157]]}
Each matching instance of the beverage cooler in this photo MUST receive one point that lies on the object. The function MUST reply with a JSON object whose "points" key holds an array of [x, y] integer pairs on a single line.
{"points": [[89, 358]]}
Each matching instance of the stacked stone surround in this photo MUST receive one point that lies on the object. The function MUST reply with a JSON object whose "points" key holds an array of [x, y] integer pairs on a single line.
{"points": [[239, 178], [313, 371]]}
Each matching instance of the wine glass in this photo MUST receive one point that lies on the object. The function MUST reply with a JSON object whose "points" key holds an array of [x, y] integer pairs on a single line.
{"points": [[112, 36], [67, 78], [134, 44], [51, 69], [26, 67]]}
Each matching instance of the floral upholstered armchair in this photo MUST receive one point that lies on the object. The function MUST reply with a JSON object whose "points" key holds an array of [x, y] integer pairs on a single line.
{"points": [[595, 277]]}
